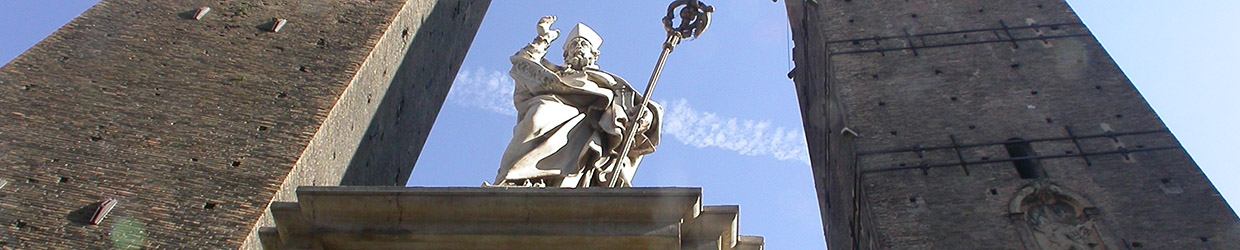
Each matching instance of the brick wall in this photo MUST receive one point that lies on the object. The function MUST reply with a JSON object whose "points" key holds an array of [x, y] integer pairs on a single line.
{"points": [[935, 89], [195, 125]]}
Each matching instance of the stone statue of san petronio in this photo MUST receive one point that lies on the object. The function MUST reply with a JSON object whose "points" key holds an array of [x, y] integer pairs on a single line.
{"points": [[571, 118]]}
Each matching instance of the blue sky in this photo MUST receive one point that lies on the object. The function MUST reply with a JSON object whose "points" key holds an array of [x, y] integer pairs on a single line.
{"points": [[733, 125]]}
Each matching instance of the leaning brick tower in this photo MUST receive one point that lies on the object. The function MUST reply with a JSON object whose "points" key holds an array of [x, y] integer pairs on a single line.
{"points": [[988, 125], [193, 123]]}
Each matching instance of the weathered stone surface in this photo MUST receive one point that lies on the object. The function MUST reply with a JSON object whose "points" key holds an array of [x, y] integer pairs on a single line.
{"points": [[196, 125], [941, 94], [498, 218]]}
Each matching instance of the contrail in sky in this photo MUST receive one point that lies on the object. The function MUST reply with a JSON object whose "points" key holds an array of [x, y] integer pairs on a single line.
{"points": [[747, 137], [492, 91]]}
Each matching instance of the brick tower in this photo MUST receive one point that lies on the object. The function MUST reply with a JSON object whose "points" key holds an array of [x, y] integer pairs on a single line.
{"points": [[988, 125], [195, 123]]}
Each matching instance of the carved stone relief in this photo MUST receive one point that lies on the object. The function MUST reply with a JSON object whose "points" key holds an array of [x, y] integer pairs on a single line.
{"points": [[1051, 217]]}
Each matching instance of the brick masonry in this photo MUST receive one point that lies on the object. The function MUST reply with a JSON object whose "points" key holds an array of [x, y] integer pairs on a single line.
{"points": [[908, 104], [195, 126]]}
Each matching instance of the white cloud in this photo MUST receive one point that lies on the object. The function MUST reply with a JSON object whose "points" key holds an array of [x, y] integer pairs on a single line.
{"points": [[746, 137], [487, 90], [492, 91]]}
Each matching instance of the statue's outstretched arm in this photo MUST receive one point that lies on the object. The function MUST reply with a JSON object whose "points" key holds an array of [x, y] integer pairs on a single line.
{"points": [[537, 49], [530, 69]]}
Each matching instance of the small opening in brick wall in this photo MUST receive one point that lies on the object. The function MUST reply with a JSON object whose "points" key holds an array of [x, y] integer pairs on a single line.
{"points": [[95, 138], [1140, 146], [1015, 65], [1026, 168], [208, 206], [1204, 239], [938, 72], [20, 224], [875, 76], [1137, 244], [303, 69], [882, 104], [912, 199], [895, 133], [852, 21], [236, 164], [913, 15], [1039, 6], [1119, 115], [981, 10], [1068, 152], [856, 42], [903, 164], [994, 191], [281, 95], [955, 99], [1033, 92], [262, 128], [1054, 27], [1049, 120], [971, 127], [31, 180], [404, 33], [193, 159], [1098, 87], [1165, 181], [64, 180]]}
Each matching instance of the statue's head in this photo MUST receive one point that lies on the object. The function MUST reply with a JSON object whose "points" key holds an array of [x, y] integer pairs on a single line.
{"points": [[581, 47]]}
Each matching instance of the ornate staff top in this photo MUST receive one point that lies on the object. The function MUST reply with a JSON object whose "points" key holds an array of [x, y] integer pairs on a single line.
{"points": [[694, 19]]}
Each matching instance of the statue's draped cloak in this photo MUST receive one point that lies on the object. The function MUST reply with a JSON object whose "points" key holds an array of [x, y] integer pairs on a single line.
{"points": [[570, 124]]}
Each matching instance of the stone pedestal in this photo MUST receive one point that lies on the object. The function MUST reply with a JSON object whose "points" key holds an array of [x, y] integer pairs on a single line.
{"points": [[498, 218]]}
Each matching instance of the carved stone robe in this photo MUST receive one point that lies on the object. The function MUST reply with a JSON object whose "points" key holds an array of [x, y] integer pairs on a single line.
{"points": [[570, 123]]}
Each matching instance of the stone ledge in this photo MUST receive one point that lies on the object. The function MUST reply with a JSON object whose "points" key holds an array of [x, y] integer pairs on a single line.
{"points": [[503, 218]]}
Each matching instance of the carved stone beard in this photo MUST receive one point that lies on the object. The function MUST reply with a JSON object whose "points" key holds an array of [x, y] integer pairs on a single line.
{"points": [[579, 58]]}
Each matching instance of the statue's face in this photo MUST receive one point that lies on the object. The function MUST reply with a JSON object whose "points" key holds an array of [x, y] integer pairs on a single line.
{"points": [[580, 53]]}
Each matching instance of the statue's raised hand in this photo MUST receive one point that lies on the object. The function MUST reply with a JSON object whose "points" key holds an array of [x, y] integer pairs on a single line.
{"points": [[544, 29]]}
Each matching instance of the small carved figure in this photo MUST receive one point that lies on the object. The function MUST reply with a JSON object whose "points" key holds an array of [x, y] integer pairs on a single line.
{"points": [[1058, 223], [570, 118], [1058, 226]]}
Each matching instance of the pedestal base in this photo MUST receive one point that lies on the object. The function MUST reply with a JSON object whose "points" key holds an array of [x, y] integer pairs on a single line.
{"points": [[499, 218]]}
